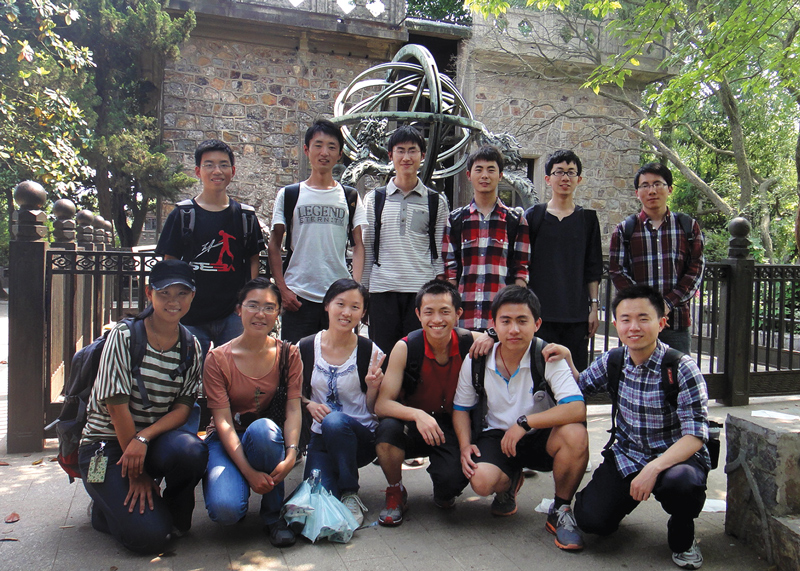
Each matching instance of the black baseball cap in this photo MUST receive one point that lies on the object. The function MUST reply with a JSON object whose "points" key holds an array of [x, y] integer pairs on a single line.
{"points": [[169, 272]]}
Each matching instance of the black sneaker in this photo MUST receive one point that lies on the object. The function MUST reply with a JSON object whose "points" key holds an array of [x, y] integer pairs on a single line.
{"points": [[505, 503], [279, 534]]}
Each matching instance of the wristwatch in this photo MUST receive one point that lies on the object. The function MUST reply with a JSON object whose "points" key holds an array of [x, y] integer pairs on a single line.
{"points": [[523, 422], [493, 334], [594, 300], [293, 446], [142, 439]]}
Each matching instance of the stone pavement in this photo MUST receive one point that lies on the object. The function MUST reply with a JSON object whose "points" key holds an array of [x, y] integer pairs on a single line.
{"points": [[54, 532]]}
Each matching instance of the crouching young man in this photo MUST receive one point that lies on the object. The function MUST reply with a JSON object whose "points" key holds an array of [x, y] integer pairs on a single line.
{"points": [[415, 402], [531, 415], [658, 444]]}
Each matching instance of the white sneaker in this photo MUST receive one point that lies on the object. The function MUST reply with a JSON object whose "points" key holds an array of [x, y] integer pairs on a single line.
{"points": [[690, 559], [356, 506]]}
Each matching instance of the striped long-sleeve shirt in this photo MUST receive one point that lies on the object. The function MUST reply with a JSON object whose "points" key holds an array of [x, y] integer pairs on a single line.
{"points": [[662, 258]]}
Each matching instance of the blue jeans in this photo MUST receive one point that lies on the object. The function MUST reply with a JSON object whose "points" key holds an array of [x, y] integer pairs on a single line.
{"points": [[179, 458], [220, 331], [225, 488], [354, 446]]}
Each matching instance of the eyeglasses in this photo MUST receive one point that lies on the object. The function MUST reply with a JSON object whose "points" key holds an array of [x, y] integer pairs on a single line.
{"points": [[214, 166], [266, 309], [656, 185], [570, 174], [412, 152]]}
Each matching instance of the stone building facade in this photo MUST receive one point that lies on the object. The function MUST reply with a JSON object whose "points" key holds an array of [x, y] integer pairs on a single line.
{"points": [[256, 73]]}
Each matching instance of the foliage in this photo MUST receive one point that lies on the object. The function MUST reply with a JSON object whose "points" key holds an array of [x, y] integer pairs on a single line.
{"points": [[448, 11], [722, 104], [41, 127], [131, 40]]}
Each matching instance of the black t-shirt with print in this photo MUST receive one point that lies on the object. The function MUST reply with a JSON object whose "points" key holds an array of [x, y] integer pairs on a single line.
{"points": [[218, 256]]}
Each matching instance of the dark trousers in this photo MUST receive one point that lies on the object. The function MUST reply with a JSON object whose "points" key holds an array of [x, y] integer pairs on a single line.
{"points": [[308, 320], [445, 460], [606, 500], [392, 316], [176, 456], [574, 336], [680, 339]]}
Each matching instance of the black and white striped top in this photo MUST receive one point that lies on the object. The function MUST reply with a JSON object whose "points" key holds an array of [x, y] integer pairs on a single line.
{"points": [[116, 385]]}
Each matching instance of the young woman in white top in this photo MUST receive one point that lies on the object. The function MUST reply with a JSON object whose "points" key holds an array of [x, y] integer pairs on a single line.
{"points": [[342, 412]]}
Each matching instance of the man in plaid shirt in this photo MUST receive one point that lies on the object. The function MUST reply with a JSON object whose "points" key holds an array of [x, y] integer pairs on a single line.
{"points": [[486, 244], [662, 249], [659, 447]]}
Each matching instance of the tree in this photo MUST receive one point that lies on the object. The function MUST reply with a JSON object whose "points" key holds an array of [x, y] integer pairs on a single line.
{"points": [[41, 127], [130, 41], [729, 54], [449, 11]]}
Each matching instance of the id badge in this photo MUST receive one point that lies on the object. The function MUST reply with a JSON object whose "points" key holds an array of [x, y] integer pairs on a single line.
{"points": [[97, 467]]}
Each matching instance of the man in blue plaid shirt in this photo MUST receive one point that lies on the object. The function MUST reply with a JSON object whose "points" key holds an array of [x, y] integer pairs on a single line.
{"points": [[659, 448], [662, 249]]}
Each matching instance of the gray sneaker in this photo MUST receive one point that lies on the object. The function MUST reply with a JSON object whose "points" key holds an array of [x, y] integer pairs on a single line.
{"points": [[505, 503], [353, 503], [561, 523], [689, 559]]}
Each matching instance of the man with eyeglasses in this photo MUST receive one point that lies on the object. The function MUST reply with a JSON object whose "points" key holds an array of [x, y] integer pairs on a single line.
{"points": [[221, 239], [405, 228], [566, 261], [662, 249]]}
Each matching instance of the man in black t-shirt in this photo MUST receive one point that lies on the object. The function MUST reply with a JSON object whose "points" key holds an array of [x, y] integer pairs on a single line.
{"points": [[566, 261], [221, 239]]}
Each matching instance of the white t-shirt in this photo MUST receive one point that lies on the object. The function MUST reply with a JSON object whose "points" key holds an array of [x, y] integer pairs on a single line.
{"points": [[339, 387], [508, 401], [319, 239]]}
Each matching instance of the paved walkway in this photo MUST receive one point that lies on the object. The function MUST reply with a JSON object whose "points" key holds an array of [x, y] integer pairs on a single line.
{"points": [[54, 532]]}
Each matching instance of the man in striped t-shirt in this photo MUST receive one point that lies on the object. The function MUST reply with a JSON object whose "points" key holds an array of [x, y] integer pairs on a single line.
{"points": [[401, 260], [662, 249]]}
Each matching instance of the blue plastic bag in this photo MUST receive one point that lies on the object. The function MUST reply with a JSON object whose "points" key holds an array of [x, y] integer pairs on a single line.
{"points": [[318, 512]]}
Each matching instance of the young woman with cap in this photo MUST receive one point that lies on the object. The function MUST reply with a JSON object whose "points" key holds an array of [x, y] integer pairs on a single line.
{"points": [[132, 440]]}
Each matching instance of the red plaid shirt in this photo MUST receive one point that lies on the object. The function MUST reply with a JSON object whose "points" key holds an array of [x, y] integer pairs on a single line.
{"points": [[484, 259], [660, 258]]}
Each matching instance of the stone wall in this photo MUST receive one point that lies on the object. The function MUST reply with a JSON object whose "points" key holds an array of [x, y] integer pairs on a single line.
{"points": [[258, 99]]}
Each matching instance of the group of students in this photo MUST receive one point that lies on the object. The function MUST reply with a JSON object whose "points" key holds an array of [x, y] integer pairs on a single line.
{"points": [[482, 403]]}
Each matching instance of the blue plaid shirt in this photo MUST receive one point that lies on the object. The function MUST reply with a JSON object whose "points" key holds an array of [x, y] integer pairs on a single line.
{"points": [[646, 424]]}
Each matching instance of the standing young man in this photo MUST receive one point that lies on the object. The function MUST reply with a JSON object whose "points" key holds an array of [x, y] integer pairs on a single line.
{"points": [[513, 431], [221, 239], [402, 245], [323, 216], [659, 443], [566, 261], [415, 402], [662, 249], [486, 243]]}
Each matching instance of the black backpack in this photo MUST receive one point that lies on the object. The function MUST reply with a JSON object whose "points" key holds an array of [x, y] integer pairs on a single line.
{"points": [[433, 211], [685, 221], [290, 196], [456, 223], [415, 343], [306, 346], [478, 375], [83, 372], [669, 382], [243, 215]]}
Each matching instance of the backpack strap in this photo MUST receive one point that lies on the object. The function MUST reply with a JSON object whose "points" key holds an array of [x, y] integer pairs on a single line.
{"points": [[306, 346], [380, 200], [535, 216], [249, 221], [138, 347], [538, 364], [290, 195], [363, 358], [465, 341], [669, 376], [512, 225], [481, 409], [415, 344], [187, 216], [187, 353], [351, 197], [614, 365], [433, 214], [456, 220]]}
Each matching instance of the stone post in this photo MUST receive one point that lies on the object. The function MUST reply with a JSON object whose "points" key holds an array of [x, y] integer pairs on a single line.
{"points": [[26, 320], [109, 230], [99, 225], [85, 330], [64, 228], [85, 229], [739, 314]]}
